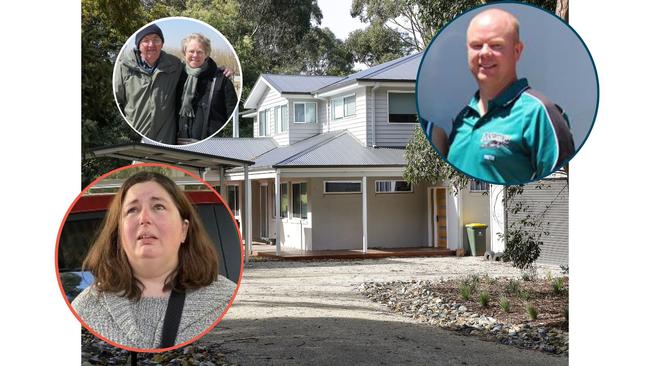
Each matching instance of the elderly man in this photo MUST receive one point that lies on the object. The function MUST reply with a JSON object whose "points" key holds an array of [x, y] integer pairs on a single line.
{"points": [[508, 133], [145, 86]]}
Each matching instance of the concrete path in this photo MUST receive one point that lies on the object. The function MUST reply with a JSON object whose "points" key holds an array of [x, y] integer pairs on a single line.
{"points": [[295, 313]]}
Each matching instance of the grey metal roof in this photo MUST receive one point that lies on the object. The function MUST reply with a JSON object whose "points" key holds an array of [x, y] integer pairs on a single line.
{"points": [[344, 150], [401, 69], [331, 149], [277, 156], [234, 148], [299, 83], [157, 153]]}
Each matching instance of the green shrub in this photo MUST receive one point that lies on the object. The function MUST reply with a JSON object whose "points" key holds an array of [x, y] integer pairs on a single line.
{"points": [[548, 276], [564, 268], [558, 285], [513, 287], [484, 299], [532, 312], [524, 295], [529, 274], [465, 291], [490, 280], [471, 283], [504, 303]]}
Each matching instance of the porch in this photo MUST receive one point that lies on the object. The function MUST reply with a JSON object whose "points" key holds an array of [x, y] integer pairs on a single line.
{"points": [[263, 250]]}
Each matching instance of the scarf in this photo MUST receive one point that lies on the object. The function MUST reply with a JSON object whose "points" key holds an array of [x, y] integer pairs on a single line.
{"points": [[189, 89], [143, 65]]}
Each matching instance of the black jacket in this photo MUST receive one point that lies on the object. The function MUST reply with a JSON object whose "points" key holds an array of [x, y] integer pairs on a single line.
{"points": [[208, 119]]}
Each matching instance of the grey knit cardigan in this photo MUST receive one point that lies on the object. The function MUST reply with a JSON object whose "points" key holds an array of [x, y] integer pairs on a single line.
{"points": [[114, 317]]}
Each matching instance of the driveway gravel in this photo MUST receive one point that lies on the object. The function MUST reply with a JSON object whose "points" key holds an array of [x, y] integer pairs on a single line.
{"points": [[294, 313]]}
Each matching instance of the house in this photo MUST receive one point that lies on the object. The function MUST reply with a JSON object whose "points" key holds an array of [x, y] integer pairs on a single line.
{"points": [[325, 167], [333, 147]]}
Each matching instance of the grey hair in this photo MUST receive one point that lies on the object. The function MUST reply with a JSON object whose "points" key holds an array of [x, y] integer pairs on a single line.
{"points": [[205, 42]]}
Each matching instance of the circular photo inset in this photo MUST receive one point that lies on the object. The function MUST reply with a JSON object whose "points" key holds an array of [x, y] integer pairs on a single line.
{"points": [[149, 258], [177, 81], [507, 93]]}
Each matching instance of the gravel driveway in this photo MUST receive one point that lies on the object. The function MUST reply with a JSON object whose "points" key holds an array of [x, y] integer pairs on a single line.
{"points": [[294, 313]]}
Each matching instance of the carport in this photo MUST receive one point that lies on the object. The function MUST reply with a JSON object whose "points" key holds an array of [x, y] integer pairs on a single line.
{"points": [[184, 157]]}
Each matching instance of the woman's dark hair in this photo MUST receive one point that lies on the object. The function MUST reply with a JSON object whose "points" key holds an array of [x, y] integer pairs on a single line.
{"points": [[197, 257]]}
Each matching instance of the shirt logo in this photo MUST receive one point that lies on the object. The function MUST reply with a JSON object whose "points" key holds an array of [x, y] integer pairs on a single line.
{"points": [[492, 140]]}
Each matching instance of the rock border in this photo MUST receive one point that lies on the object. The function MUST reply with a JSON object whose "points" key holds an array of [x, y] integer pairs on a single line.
{"points": [[416, 300]]}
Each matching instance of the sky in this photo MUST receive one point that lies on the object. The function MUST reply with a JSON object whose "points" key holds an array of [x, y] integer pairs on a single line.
{"points": [[336, 17]]}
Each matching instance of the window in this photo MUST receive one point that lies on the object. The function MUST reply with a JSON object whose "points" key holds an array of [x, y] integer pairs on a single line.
{"points": [[342, 187], [478, 186], [284, 200], [299, 200], [401, 108], [343, 107], [233, 199], [392, 186], [304, 112], [264, 120], [349, 104], [281, 119]]}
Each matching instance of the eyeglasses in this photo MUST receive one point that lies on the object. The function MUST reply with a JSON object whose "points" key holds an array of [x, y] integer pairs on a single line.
{"points": [[154, 41]]}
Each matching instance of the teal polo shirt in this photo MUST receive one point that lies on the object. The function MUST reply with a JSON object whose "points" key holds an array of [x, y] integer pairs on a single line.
{"points": [[522, 137]]}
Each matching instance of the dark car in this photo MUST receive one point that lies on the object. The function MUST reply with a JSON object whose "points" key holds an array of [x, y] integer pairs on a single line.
{"points": [[86, 216]]}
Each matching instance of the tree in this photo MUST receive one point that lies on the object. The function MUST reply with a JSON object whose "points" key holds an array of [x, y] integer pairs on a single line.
{"points": [[275, 28], [376, 44], [103, 31], [417, 21], [425, 166], [403, 16], [324, 54], [269, 36]]}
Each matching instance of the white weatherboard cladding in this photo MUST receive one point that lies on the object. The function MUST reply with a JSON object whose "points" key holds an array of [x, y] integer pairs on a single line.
{"points": [[388, 134], [281, 138], [322, 116], [301, 131], [356, 124], [476, 209], [270, 100]]}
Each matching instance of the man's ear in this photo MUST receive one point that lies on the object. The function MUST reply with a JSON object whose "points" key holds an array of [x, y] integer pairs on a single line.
{"points": [[519, 48]]}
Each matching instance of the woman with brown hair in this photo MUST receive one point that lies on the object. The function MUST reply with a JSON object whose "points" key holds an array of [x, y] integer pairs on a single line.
{"points": [[155, 269]]}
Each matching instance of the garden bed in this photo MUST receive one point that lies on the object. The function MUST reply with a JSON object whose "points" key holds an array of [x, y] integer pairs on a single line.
{"points": [[530, 314]]}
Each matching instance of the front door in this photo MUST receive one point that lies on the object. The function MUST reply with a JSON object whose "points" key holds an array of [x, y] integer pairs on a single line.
{"points": [[440, 217]]}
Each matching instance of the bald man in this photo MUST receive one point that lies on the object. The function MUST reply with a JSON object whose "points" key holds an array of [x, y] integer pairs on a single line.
{"points": [[508, 133]]}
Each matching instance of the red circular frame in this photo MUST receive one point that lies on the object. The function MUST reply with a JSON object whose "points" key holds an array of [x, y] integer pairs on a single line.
{"points": [[96, 334]]}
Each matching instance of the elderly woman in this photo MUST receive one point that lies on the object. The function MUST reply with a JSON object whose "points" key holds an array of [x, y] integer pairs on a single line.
{"points": [[206, 98], [155, 269]]}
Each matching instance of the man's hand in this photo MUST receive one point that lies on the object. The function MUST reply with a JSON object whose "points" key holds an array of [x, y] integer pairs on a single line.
{"points": [[227, 72]]}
